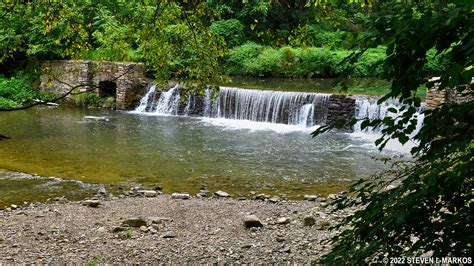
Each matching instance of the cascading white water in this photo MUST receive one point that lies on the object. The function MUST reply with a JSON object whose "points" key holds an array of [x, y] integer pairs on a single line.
{"points": [[367, 107], [168, 102], [292, 108], [278, 107], [144, 101]]}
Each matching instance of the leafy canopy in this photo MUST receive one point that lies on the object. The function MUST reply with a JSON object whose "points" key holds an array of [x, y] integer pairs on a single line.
{"points": [[430, 209]]}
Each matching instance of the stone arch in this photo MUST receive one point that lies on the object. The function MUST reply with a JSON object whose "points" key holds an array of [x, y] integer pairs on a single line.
{"points": [[107, 89]]}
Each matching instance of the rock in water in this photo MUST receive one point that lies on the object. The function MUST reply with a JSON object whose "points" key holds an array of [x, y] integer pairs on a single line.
{"points": [[309, 221], [222, 194], [252, 221], [134, 222], [91, 203], [180, 196]]}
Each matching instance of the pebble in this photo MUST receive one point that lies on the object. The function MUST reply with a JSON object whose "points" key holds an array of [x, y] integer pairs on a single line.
{"points": [[180, 196], [252, 221]]}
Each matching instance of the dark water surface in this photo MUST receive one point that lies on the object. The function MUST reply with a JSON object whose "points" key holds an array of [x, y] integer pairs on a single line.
{"points": [[178, 153]]}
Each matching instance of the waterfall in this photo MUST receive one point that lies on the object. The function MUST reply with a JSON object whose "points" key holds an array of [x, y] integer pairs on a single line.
{"points": [[277, 107], [291, 108], [144, 101], [367, 107]]}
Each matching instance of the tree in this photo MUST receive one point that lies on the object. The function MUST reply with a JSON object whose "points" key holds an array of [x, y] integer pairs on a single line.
{"points": [[429, 211]]}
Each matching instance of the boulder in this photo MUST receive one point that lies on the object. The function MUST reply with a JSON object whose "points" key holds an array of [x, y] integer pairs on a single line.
{"points": [[180, 196], [252, 221]]}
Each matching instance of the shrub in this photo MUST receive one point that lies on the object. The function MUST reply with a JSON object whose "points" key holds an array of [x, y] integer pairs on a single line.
{"points": [[232, 30], [16, 91], [239, 56], [370, 64], [266, 63]]}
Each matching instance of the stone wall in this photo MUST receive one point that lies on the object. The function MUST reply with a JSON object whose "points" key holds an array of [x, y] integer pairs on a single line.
{"points": [[436, 97], [129, 79], [340, 107]]}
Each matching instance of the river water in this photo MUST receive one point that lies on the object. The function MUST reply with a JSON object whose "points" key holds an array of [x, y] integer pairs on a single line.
{"points": [[177, 153]]}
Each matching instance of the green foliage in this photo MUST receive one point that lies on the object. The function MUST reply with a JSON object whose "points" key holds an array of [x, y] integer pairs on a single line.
{"points": [[430, 208], [232, 30], [255, 60], [125, 55], [90, 99], [18, 90]]}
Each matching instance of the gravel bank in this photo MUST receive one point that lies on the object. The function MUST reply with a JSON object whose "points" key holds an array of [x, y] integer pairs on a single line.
{"points": [[196, 230]]}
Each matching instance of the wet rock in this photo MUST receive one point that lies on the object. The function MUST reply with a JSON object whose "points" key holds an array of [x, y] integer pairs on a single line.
{"points": [[283, 220], [310, 197], [158, 188], [134, 222], [91, 203], [252, 221], [180, 196], [222, 194], [309, 220]]}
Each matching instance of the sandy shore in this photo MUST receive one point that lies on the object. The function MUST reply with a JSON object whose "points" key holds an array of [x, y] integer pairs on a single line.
{"points": [[196, 230]]}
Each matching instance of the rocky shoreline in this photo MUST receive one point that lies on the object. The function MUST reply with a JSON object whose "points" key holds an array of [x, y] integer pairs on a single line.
{"points": [[147, 226]]}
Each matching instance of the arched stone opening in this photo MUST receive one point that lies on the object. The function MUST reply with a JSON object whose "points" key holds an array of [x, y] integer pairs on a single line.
{"points": [[107, 89]]}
